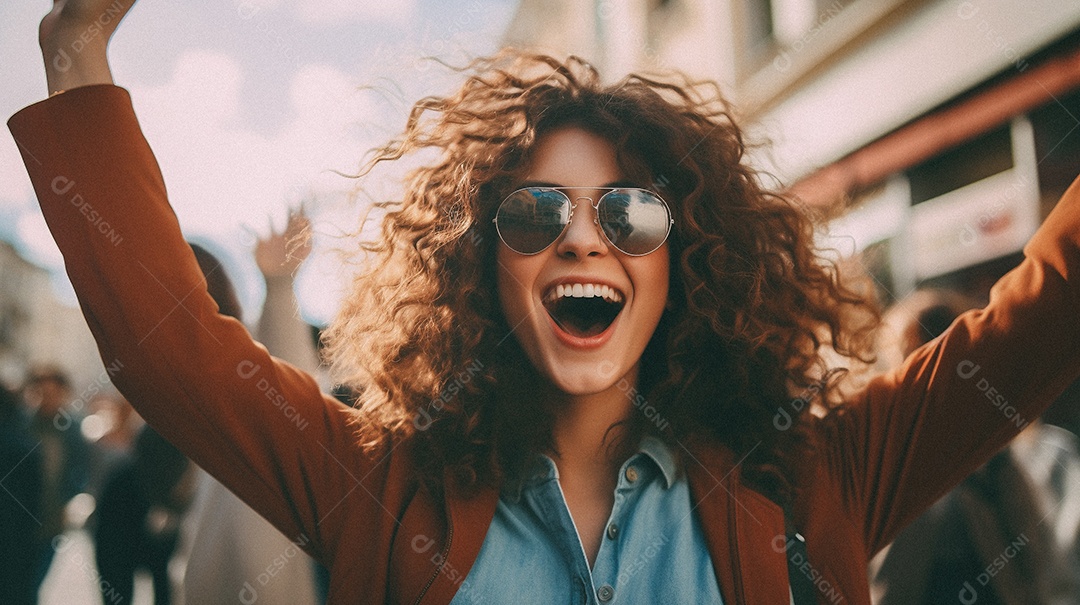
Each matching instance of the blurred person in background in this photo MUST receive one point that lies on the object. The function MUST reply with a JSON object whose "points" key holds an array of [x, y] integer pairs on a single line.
{"points": [[1066, 410], [110, 428], [138, 518], [1024, 502], [20, 503], [64, 461], [232, 546]]}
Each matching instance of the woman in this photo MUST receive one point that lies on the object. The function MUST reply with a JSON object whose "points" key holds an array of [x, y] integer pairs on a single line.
{"points": [[587, 348]]}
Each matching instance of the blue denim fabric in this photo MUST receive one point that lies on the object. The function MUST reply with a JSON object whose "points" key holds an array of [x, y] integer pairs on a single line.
{"points": [[656, 552]]}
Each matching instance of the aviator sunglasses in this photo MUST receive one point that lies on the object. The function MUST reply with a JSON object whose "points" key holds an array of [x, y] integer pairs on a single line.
{"points": [[634, 221]]}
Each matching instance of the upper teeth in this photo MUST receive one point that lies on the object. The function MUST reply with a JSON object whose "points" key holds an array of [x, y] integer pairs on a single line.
{"points": [[584, 291]]}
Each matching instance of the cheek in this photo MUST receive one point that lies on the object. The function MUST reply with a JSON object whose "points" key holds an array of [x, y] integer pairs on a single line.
{"points": [[514, 277], [656, 276]]}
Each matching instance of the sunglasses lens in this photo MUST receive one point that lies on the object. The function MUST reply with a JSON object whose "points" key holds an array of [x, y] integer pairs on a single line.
{"points": [[635, 221], [529, 220]]}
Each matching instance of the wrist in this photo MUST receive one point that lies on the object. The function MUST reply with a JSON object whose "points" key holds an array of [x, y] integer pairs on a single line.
{"points": [[283, 280], [75, 60]]}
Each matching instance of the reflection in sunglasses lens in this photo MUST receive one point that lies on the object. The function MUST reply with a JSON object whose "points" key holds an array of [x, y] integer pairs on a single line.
{"points": [[531, 219], [635, 221]]}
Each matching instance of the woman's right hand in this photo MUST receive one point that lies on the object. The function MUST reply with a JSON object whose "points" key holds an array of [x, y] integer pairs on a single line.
{"points": [[73, 39]]}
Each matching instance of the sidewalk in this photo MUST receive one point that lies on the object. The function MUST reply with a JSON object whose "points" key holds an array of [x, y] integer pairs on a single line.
{"points": [[73, 578]]}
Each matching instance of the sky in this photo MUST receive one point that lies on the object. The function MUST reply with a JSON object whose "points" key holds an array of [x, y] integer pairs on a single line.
{"points": [[252, 106]]}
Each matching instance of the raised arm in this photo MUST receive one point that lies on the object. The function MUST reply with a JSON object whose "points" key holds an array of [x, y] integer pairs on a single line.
{"points": [[917, 431], [258, 424], [279, 256]]}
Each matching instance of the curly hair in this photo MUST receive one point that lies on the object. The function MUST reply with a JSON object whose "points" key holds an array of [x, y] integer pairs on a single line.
{"points": [[422, 336]]}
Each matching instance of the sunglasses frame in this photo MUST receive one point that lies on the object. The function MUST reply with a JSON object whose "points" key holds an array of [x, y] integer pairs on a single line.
{"points": [[596, 215]]}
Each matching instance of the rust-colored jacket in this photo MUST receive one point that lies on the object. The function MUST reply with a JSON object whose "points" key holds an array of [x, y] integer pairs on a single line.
{"points": [[264, 429]]}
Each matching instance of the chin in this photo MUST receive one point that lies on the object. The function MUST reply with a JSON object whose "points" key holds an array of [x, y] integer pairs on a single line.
{"points": [[581, 387], [584, 378]]}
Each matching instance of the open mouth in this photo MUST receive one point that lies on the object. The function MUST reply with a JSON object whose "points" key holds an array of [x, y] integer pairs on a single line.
{"points": [[583, 310]]}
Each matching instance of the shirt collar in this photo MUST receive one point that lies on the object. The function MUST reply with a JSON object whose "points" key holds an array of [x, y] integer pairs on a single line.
{"points": [[542, 468], [662, 455]]}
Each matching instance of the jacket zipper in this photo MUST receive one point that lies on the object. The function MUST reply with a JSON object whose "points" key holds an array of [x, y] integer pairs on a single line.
{"points": [[445, 553]]}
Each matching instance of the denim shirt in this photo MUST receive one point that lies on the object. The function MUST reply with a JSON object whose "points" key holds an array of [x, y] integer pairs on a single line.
{"points": [[653, 550]]}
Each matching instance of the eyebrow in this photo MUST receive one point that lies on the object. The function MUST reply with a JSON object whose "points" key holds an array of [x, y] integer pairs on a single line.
{"points": [[615, 184]]}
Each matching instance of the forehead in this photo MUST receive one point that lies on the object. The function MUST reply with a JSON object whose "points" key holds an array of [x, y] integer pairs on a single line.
{"points": [[573, 156]]}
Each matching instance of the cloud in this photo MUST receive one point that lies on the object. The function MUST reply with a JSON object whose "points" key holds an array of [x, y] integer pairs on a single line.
{"points": [[330, 12], [225, 178], [220, 171]]}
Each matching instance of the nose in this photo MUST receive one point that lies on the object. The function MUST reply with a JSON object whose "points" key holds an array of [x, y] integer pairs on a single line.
{"points": [[582, 236]]}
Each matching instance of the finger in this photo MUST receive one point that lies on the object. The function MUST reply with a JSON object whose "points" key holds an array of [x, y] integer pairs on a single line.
{"points": [[270, 225], [299, 212], [251, 233]]}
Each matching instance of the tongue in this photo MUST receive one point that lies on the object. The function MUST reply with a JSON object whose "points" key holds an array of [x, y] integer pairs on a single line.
{"points": [[576, 327], [583, 317]]}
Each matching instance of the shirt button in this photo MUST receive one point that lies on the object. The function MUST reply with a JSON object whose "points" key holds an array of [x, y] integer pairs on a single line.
{"points": [[631, 474], [613, 531], [605, 593]]}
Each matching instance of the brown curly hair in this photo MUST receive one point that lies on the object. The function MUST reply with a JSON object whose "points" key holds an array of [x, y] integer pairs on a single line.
{"points": [[422, 337]]}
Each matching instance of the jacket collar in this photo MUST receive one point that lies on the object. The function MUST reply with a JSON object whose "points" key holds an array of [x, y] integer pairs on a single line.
{"points": [[468, 518], [743, 529]]}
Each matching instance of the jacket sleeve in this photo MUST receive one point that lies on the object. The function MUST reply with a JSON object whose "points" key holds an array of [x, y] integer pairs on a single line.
{"points": [[256, 423], [223, 526], [915, 432]]}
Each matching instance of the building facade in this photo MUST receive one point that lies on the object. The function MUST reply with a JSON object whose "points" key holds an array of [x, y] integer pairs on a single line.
{"points": [[943, 130], [36, 327]]}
